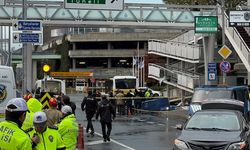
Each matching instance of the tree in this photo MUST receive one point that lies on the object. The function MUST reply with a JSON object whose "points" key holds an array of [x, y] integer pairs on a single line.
{"points": [[230, 4]]}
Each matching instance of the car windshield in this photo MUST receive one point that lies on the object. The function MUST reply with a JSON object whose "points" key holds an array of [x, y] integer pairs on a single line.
{"points": [[214, 121], [200, 95]]}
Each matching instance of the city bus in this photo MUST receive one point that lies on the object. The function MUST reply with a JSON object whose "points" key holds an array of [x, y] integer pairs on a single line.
{"points": [[124, 83]]}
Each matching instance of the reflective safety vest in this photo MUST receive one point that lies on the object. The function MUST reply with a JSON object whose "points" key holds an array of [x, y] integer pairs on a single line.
{"points": [[13, 138], [28, 122], [68, 128], [50, 139]]}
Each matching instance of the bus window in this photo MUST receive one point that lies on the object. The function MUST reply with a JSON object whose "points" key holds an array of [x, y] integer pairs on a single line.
{"points": [[124, 83]]}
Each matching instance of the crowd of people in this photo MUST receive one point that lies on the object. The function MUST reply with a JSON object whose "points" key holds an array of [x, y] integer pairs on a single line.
{"points": [[28, 126]]}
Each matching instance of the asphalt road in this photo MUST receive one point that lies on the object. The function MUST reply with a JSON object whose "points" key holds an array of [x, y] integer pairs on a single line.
{"points": [[147, 131]]}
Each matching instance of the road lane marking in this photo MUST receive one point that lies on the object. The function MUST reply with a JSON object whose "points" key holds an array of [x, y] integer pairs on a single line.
{"points": [[114, 141], [94, 142]]}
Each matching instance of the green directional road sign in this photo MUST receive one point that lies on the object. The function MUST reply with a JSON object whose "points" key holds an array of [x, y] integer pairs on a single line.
{"points": [[206, 24], [95, 4]]}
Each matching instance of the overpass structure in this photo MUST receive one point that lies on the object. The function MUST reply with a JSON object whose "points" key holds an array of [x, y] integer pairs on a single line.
{"points": [[150, 16], [53, 13]]}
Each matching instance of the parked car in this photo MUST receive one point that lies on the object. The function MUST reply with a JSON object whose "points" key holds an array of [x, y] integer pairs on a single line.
{"points": [[214, 129], [144, 89]]}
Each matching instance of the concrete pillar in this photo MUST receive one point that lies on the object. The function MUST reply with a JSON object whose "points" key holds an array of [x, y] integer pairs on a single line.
{"points": [[248, 73], [109, 62], [74, 63], [34, 70], [74, 46], [208, 48]]}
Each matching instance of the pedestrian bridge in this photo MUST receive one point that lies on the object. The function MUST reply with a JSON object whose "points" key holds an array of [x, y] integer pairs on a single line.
{"points": [[53, 13]]}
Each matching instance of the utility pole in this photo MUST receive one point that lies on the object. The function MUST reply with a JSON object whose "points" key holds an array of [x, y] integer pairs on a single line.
{"points": [[27, 58], [223, 32]]}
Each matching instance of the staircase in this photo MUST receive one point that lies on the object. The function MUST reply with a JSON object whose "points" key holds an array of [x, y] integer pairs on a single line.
{"points": [[245, 36], [238, 38]]}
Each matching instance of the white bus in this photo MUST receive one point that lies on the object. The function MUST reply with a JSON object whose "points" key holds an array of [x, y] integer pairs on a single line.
{"points": [[124, 83], [7, 86], [81, 84]]}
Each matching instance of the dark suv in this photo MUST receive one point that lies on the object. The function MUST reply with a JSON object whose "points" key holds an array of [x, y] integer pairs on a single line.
{"points": [[218, 129]]}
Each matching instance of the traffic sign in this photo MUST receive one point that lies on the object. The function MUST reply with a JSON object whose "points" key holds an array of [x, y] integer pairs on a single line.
{"points": [[225, 66], [95, 4], [212, 72], [23, 25], [27, 38], [206, 24], [225, 52]]}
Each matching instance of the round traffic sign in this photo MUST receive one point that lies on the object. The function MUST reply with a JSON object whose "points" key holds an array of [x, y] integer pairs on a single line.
{"points": [[225, 66]]}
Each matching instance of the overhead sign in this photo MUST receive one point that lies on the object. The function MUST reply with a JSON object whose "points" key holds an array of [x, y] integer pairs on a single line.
{"points": [[95, 4], [239, 18], [225, 66], [35, 38], [23, 25], [225, 52], [212, 71], [206, 24], [71, 74], [2, 2]]}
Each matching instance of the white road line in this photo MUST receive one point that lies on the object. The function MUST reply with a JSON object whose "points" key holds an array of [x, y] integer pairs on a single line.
{"points": [[114, 141], [94, 142]]}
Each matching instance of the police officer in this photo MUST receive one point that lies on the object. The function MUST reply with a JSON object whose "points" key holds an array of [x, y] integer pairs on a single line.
{"points": [[89, 104], [107, 114], [33, 106], [12, 137], [53, 115], [68, 128], [50, 139]]}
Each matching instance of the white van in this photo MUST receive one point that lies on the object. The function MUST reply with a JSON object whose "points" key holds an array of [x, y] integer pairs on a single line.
{"points": [[7, 86], [55, 86]]}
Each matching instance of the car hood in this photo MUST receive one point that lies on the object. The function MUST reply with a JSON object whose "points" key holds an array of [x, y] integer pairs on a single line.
{"points": [[210, 136]]}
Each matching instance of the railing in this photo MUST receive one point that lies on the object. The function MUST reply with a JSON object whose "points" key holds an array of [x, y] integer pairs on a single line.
{"points": [[176, 50], [177, 78], [236, 40], [187, 37]]}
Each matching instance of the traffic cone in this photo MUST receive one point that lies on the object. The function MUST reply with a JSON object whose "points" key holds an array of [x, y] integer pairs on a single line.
{"points": [[80, 138]]}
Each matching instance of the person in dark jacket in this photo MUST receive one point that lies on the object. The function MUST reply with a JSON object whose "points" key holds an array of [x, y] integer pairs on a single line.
{"points": [[89, 104], [66, 101], [107, 114]]}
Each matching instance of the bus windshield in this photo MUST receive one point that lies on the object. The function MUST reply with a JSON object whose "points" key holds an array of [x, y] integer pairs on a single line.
{"points": [[201, 95], [125, 83]]}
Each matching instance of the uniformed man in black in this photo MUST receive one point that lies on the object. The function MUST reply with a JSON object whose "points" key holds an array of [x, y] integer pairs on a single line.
{"points": [[89, 104]]}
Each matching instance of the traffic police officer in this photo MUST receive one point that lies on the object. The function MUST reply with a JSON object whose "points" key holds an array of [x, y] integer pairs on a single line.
{"points": [[33, 106], [12, 137], [68, 128], [50, 139]]}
